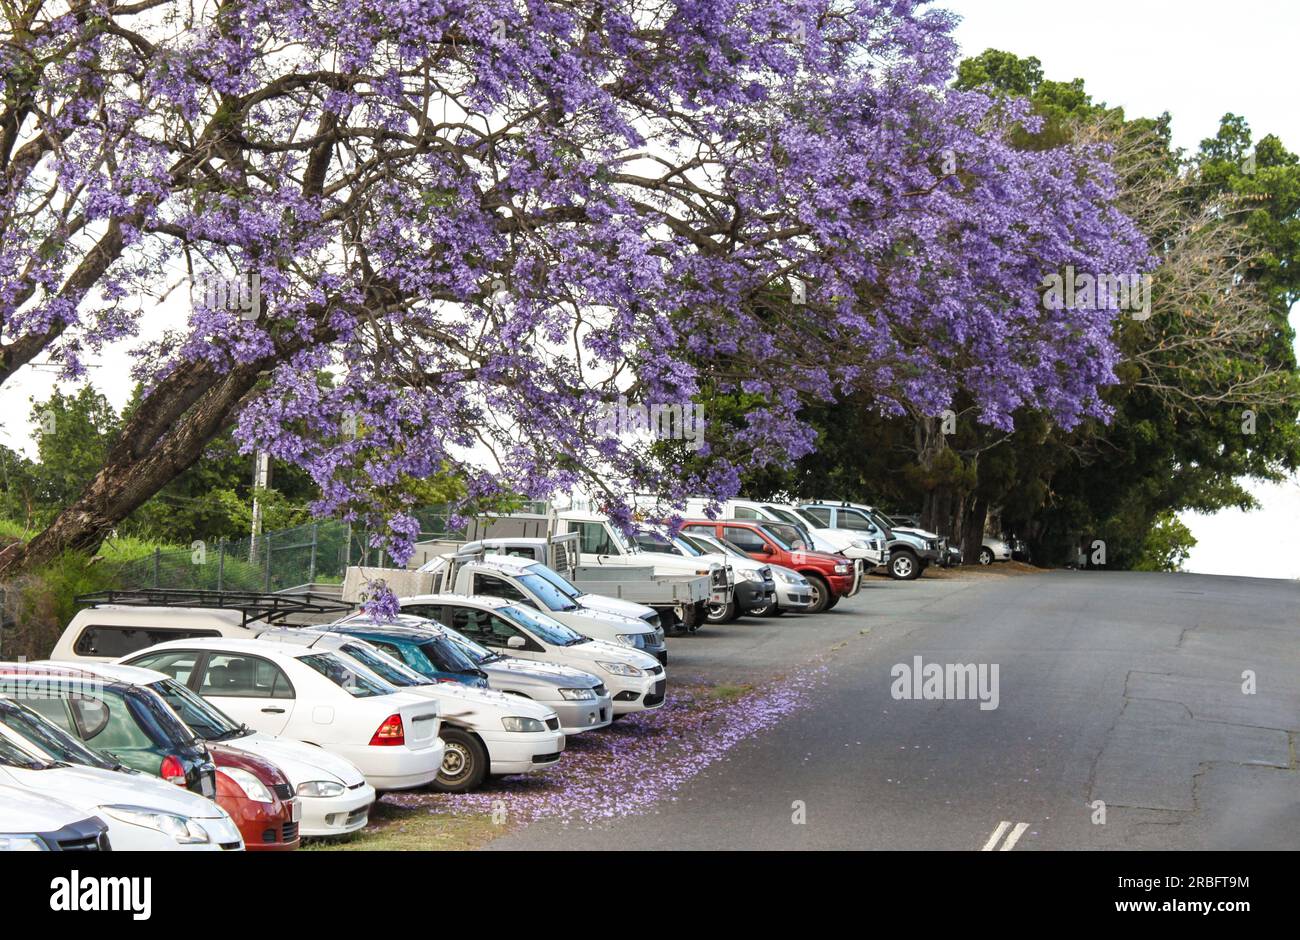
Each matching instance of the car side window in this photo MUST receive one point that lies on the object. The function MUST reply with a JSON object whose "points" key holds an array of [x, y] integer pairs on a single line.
{"points": [[113, 642], [492, 586], [699, 529], [594, 539], [474, 623], [856, 521], [744, 512], [432, 611], [237, 676], [503, 630], [821, 515], [747, 540], [179, 664], [107, 723], [52, 709], [392, 649]]}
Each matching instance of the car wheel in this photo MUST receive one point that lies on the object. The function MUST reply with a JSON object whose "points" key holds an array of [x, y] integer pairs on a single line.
{"points": [[464, 763], [904, 566], [830, 604], [821, 593], [986, 556], [721, 613]]}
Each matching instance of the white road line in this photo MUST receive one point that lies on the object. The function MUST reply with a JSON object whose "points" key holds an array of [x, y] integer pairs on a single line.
{"points": [[997, 834], [1012, 839]]}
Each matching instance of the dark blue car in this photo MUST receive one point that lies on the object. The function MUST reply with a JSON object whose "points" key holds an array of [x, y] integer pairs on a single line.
{"points": [[426, 651]]}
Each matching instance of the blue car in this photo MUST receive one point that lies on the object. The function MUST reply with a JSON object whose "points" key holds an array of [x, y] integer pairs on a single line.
{"points": [[426, 651]]}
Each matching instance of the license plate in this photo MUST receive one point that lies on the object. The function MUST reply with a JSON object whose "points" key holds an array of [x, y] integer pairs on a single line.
{"points": [[295, 810]]}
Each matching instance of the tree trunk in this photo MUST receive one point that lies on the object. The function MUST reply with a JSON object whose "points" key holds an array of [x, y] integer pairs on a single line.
{"points": [[973, 530]]}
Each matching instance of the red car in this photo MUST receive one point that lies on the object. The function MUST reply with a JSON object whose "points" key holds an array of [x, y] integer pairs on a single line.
{"points": [[778, 543], [244, 782]]}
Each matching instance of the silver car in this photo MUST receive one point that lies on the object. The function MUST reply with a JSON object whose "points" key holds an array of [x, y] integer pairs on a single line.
{"points": [[793, 592], [580, 700]]}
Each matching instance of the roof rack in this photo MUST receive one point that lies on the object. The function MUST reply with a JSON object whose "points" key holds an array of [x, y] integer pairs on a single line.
{"points": [[269, 608]]}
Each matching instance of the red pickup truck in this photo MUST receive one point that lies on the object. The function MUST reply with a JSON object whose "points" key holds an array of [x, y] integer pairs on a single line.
{"points": [[777, 543]]}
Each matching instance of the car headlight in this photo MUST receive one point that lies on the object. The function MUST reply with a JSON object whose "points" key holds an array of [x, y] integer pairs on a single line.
{"points": [[788, 577], [22, 842], [515, 723], [253, 788], [861, 543], [577, 695], [621, 669], [321, 789], [182, 829], [634, 640], [843, 569], [752, 574], [652, 619]]}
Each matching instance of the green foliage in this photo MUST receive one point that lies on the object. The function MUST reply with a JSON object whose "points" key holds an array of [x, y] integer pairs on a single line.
{"points": [[1166, 546]]}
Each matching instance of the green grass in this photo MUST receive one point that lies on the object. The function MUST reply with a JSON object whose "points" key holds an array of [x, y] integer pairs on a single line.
{"points": [[395, 829], [727, 692]]}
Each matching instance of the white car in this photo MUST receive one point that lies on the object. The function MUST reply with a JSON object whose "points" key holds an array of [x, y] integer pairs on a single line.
{"points": [[994, 549], [30, 822], [143, 813], [334, 795], [483, 731], [598, 603], [793, 592], [636, 679], [319, 698]]}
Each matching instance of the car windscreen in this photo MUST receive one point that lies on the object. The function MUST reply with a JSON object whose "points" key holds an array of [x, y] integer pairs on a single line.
{"points": [[687, 547], [49, 737], [208, 721], [480, 654], [545, 628], [11, 755], [384, 666], [555, 579], [547, 593], [783, 535], [353, 681]]}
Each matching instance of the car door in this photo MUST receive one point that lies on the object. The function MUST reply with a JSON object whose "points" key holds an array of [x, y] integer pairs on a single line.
{"points": [[249, 689], [487, 629], [748, 541]]}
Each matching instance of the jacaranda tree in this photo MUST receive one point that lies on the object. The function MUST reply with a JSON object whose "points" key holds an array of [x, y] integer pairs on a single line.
{"points": [[456, 229]]}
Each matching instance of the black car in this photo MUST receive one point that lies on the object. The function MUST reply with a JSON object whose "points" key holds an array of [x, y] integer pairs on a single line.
{"points": [[126, 723]]}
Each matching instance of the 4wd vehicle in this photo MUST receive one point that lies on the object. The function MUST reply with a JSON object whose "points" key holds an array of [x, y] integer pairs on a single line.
{"points": [[831, 577], [755, 589], [579, 699], [910, 551], [30, 822], [636, 679], [824, 538], [793, 592]]}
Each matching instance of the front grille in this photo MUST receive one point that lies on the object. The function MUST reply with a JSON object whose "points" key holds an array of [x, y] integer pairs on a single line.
{"points": [[89, 843], [289, 832], [357, 815], [553, 724], [546, 758], [283, 790], [230, 846]]}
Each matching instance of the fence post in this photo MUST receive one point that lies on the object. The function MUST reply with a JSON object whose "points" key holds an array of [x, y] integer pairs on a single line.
{"points": [[266, 583], [311, 576], [221, 565], [157, 559]]}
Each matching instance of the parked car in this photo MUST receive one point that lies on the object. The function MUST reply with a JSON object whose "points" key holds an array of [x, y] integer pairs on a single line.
{"points": [[994, 549], [911, 551], [831, 577], [755, 589], [134, 726], [871, 551], [333, 795], [30, 822], [320, 698], [121, 720], [580, 700], [793, 592], [520, 580], [636, 679], [483, 731], [141, 814]]}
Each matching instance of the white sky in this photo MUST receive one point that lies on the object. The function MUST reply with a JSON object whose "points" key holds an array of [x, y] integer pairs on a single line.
{"points": [[1196, 59]]}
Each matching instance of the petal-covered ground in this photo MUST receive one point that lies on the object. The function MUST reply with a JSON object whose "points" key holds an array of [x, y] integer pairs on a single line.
{"points": [[635, 763]]}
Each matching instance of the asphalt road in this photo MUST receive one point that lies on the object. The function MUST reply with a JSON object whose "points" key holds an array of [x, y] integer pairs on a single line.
{"points": [[1123, 688]]}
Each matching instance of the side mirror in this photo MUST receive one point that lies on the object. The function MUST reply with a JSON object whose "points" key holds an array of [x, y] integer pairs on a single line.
{"points": [[516, 643]]}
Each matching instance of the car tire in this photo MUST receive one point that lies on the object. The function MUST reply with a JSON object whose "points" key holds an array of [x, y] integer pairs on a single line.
{"points": [[986, 556], [821, 592], [465, 763], [830, 604], [721, 613], [904, 566]]}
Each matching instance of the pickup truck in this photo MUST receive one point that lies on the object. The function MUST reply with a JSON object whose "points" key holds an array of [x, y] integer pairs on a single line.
{"points": [[478, 574], [911, 551], [833, 540]]}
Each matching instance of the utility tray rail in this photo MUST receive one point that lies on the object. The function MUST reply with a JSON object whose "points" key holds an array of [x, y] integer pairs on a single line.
{"points": [[268, 608]]}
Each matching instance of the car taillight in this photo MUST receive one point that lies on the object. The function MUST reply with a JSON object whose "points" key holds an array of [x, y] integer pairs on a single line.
{"points": [[172, 770], [390, 733]]}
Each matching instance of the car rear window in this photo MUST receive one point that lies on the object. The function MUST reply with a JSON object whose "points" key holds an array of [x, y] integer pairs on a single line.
{"points": [[113, 642]]}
